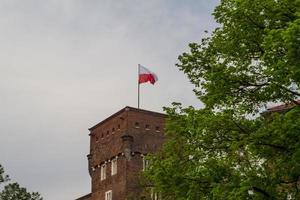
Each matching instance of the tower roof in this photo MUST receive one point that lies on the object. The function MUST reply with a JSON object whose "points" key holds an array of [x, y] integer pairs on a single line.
{"points": [[131, 109]]}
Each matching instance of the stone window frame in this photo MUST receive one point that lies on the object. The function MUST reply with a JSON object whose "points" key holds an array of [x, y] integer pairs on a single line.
{"points": [[145, 163], [155, 195], [108, 195], [103, 168], [114, 166]]}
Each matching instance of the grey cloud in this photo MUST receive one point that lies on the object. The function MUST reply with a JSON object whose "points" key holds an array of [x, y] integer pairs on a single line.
{"points": [[66, 65]]}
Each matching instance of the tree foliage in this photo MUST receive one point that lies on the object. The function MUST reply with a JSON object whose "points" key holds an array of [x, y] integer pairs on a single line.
{"points": [[230, 149], [251, 59], [13, 191], [3, 176]]}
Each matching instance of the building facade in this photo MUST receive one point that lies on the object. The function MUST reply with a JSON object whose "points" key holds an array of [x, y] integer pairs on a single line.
{"points": [[118, 146]]}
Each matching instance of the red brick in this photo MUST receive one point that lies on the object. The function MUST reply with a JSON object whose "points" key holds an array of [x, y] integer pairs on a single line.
{"points": [[128, 143]]}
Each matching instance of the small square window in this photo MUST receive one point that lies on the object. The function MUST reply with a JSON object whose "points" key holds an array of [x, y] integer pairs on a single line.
{"points": [[137, 125], [147, 127], [157, 129]]}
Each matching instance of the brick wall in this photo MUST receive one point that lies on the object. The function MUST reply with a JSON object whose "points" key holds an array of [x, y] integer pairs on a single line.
{"points": [[127, 135]]}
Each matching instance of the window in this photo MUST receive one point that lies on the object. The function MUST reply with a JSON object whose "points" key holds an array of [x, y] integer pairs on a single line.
{"points": [[155, 195], [108, 195], [157, 129], [114, 166], [119, 126], [147, 127], [145, 163], [113, 130], [137, 125], [103, 172], [107, 133]]}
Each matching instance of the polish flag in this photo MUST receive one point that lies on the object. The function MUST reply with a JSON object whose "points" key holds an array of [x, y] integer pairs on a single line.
{"points": [[146, 75]]}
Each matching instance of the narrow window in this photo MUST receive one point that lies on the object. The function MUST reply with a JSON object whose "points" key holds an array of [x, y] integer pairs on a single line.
{"points": [[113, 130], [108, 195], [119, 126], [154, 195], [114, 166], [107, 133], [103, 172], [137, 125], [145, 163]]}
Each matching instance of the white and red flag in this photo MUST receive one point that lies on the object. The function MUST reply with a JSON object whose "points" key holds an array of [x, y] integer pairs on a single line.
{"points": [[145, 75]]}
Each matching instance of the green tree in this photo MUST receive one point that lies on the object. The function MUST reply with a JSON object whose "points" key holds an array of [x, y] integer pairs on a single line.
{"points": [[13, 191], [3, 176], [230, 149]]}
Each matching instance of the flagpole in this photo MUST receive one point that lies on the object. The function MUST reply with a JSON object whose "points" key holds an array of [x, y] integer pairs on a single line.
{"points": [[138, 86]]}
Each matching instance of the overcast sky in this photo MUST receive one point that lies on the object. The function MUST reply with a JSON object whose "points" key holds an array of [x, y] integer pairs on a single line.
{"points": [[65, 65]]}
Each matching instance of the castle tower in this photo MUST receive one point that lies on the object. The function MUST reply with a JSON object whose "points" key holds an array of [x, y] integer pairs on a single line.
{"points": [[118, 145]]}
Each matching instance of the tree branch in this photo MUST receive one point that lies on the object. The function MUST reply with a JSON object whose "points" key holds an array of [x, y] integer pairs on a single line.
{"points": [[240, 127], [256, 189], [275, 146], [288, 90]]}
